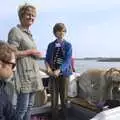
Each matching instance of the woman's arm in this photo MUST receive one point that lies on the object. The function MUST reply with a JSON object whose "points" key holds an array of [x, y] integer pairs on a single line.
{"points": [[14, 38], [29, 52]]}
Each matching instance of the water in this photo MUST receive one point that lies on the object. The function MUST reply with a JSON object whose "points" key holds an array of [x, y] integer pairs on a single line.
{"points": [[83, 65]]}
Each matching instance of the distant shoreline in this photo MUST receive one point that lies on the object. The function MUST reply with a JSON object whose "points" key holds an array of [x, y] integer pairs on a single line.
{"points": [[101, 59], [109, 60], [98, 59]]}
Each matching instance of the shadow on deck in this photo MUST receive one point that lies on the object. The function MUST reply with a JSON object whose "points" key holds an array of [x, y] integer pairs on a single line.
{"points": [[78, 110]]}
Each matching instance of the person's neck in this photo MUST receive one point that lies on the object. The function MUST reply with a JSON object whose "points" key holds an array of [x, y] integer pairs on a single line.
{"points": [[60, 40], [24, 26]]}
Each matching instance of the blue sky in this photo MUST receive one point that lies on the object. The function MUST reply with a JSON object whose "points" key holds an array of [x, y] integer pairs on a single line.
{"points": [[93, 25]]}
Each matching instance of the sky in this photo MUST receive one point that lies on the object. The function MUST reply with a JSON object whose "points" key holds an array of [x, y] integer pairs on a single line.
{"points": [[93, 26]]}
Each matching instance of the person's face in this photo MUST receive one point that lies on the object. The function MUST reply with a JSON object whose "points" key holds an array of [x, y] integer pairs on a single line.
{"points": [[7, 67], [60, 34], [29, 17]]}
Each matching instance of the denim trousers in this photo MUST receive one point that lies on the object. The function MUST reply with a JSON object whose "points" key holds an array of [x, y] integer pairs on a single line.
{"points": [[24, 105]]}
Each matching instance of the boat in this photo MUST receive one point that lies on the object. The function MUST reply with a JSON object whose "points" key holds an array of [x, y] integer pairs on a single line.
{"points": [[109, 114], [78, 108]]}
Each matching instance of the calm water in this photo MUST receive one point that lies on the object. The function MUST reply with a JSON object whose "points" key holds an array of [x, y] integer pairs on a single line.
{"points": [[83, 65]]}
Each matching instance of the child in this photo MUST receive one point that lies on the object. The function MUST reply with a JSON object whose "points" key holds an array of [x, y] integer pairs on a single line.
{"points": [[58, 64]]}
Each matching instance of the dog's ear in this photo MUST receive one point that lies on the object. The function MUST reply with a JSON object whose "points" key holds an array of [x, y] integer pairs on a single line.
{"points": [[109, 72]]}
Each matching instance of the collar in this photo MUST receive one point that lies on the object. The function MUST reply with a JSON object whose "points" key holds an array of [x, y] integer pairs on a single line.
{"points": [[24, 29], [62, 43], [60, 40]]}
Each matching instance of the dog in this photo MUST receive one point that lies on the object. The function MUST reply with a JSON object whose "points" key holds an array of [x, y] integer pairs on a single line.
{"points": [[96, 85]]}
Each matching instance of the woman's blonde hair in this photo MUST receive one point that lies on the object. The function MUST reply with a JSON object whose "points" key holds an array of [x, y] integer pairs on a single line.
{"points": [[22, 9]]}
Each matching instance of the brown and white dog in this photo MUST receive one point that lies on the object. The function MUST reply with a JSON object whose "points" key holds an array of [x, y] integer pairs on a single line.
{"points": [[98, 85]]}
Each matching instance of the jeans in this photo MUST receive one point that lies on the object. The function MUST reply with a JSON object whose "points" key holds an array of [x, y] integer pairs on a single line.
{"points": [[24, 105]]}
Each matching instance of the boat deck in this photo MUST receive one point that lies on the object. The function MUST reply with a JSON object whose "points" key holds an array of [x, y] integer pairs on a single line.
{"points": [[78, 109]]}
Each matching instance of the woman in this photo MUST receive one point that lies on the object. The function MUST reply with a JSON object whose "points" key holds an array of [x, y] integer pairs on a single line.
{"points": [[27, 77]]}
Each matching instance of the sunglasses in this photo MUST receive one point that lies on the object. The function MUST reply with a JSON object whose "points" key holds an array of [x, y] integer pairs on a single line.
{"points": [[13, 64]]}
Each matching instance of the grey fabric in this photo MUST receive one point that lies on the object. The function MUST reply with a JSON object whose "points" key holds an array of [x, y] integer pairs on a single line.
{"points": [[92, 86], [27, 77]]}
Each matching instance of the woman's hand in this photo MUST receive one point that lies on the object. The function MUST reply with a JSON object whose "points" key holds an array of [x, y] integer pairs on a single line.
{"points": [[34, 52], [30, 52]]}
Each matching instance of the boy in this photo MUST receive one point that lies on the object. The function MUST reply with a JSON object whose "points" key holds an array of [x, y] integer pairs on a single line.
{"points": [[7, 66], [58, 64]]}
